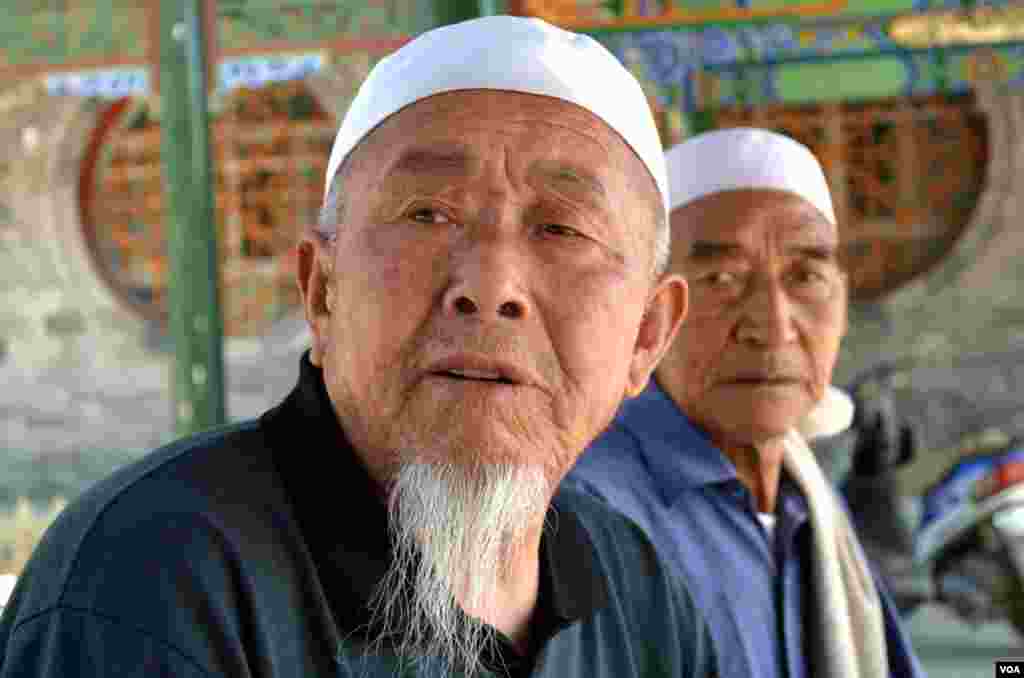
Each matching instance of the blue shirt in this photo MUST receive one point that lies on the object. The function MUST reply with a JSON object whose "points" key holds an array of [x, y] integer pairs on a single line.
{"points": [[658, 468]]}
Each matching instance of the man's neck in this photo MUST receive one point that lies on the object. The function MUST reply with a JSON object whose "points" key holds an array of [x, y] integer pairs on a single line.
{"points": [[514, 598], [758, 468]]}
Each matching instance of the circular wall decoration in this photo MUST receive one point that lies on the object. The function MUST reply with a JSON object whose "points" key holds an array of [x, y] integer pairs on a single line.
{"points": [[269, 153], [905, 175]]}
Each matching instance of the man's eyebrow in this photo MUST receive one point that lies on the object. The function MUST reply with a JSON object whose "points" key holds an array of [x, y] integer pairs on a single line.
{"points": [[711, 249], [815, 252], [427, 160], [570, 177]]}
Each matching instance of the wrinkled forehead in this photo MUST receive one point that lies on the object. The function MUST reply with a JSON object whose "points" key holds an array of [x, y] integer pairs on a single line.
{"points": [[749, 216], [458, 132]]}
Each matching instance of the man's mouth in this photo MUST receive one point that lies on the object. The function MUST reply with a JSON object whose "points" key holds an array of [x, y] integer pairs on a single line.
{"points": [[475, 375], [754, 380], [481, 369]]}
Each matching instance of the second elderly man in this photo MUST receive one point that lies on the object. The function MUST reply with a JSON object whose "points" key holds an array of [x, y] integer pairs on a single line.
{"points": [[712, 459]]}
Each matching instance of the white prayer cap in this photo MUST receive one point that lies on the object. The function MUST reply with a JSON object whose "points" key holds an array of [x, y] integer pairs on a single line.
{"points": [[506, 53], [745, 157]]}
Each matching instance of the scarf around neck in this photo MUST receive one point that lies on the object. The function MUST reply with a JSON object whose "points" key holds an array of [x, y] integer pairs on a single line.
{"points": [[848, 606]]}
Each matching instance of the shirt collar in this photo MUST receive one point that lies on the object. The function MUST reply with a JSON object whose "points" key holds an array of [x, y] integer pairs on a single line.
{"points": [[679, 455], [573, 575], [328, 485]]}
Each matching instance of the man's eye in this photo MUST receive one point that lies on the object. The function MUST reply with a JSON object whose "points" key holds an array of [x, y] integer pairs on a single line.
{"points": [[720, 278], [560, 230], [808, 276], [811, 284], [426, 215]]}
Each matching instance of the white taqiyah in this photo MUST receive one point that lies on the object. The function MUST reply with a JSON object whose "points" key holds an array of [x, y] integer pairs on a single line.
{"points": [[745, 157], [513, 54]]}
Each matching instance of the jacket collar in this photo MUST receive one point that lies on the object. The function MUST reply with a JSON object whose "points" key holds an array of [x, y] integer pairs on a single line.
{"points": [[679, 455]]}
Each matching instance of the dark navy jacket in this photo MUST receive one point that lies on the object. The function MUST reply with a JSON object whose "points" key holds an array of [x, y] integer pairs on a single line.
{"points": [[253, 551], [655, 466]]}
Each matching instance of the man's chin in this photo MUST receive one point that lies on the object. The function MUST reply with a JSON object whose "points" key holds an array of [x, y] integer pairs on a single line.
{"points": [[762, 419], [762, 427], [490, 450]]}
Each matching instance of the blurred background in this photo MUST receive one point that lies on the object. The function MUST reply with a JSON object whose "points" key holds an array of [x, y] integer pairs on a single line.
{"points": [[158, 159]]}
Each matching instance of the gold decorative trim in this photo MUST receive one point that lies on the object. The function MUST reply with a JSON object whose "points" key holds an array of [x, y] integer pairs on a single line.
{"points": [[573, 14], [981, 25]]}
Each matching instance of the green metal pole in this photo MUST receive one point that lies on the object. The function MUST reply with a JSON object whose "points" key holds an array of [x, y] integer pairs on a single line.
{"points": [[195, 319], [490, 7], [701, 121], [454, 11]]}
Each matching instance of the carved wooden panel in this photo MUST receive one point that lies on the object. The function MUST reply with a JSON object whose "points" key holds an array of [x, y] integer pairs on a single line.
{"points": [[270, 149]]}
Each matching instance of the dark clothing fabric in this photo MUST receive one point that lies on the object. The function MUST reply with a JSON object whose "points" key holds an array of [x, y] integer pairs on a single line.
{"points": [[658, 468], [253, 550]]}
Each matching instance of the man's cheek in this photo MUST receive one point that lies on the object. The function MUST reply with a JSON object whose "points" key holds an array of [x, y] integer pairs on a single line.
{"points": [[695, 376], [603, 350]]}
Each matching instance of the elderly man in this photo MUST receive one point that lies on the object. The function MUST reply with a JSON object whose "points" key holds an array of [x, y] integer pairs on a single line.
{"points": [[712, 460], [482, 291]]}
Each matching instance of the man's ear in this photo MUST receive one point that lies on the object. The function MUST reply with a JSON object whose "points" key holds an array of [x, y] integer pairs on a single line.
{"points": [[316, 290], [666, 310]]}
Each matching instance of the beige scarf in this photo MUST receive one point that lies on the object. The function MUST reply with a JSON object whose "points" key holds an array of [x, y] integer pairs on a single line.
{"points": [[851, 624]]}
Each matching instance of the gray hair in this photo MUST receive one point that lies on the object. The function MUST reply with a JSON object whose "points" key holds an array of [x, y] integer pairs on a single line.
{"points": [[333, 209], [332, 212], [662, 241]]}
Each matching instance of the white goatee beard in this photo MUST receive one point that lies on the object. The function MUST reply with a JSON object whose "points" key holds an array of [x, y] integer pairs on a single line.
{"points": [[454, 530]]}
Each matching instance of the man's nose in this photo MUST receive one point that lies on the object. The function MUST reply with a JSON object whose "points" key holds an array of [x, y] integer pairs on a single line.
{"points": [[488, 282], [767, 317]]}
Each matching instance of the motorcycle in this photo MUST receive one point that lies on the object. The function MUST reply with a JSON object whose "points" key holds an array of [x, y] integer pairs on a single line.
{"points": [[972, 529], [932, 471]]}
